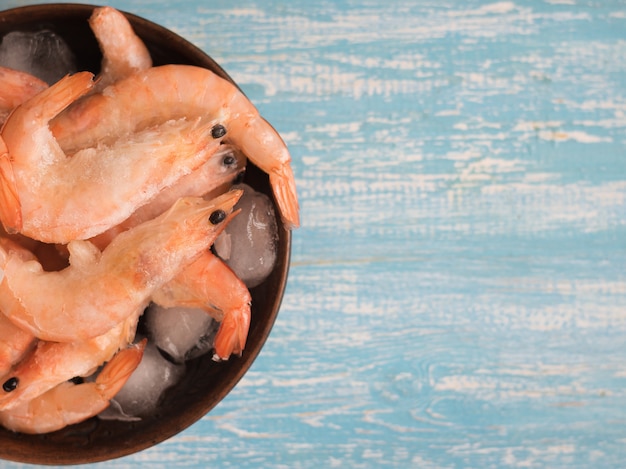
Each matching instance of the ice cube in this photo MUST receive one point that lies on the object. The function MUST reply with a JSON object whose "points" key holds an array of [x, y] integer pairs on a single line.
{"points": [[43, 54], [140, 395], [182, 333], [248, 243], [116, 412]]}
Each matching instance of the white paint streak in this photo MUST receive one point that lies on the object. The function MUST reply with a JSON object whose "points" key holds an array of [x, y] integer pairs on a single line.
{"points": [[241, 433], [574, 135], [492, 8], [295, 382], [503, 387], [553, 131]]}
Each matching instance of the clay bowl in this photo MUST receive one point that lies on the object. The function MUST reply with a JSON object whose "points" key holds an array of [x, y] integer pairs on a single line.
{"points": [[206, 382]]}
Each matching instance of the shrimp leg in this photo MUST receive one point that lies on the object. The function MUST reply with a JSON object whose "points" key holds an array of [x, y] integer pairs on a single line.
{"points": [[117, 282], [208, 283], [174, 91], [70, 403]]}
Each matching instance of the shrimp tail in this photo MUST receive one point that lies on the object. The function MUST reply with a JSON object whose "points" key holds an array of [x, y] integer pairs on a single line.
{"points": [[233, 332], [284, 188], [57, 97], [10, 206], [253, 132], [209, 283], [117, 371]]}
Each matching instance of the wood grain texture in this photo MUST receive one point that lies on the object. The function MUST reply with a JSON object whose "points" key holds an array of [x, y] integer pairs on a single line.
{"points": [[458, 290]]}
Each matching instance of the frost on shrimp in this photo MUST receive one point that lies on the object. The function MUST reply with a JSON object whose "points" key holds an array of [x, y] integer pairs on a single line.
{"points": [[214, 177], [117, 282], [61, 198], [173, 91], [70, 403]]}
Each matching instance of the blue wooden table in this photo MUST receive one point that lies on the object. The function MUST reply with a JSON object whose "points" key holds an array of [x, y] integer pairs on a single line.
{"points": [[457, 296]]}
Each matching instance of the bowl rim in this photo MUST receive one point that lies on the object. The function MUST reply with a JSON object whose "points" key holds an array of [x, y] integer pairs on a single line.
{"points": [[21, 452]]}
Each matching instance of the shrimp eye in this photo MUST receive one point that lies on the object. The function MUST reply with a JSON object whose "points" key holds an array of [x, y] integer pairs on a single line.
{"points": [[217, 217], [10, 384], [229, 160], [218, 131]]}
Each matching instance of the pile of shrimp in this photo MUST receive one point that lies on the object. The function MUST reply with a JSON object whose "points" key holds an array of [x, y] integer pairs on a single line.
{"points": [[113, 189]]}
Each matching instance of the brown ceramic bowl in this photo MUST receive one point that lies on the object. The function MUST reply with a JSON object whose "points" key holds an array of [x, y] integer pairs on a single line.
{"points": [[206, 382]]}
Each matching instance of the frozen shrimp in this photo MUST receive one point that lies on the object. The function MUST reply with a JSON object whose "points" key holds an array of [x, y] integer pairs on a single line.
{"points": [[208, 283], [214, 177], [51, 363], [123, 52], [70, 403], [174, 91], [115, 283], [15, 88], [61, 198]]}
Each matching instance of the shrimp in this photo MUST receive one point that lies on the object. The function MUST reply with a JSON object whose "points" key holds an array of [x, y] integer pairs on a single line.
{"points": [[62, 198], [214, 177], [115, 283], [208, 283], [14, 344], [174, 91], [70, 403], [15, 88], [51, 363], [123, 52]]}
